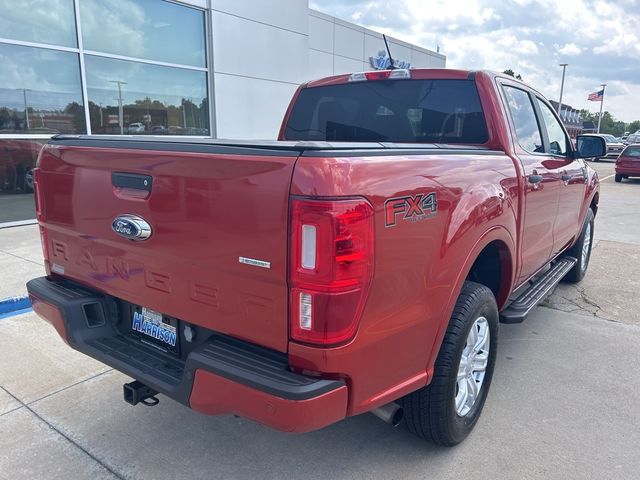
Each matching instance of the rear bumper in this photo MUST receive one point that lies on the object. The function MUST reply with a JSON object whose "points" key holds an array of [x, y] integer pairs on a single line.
{"points": [[222, 375], [632, 171]]}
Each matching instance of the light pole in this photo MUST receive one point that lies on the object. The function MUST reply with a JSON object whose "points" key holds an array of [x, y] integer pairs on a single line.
{"points": [[120, 113], [603, 85], [564, 69], [26, 108]]}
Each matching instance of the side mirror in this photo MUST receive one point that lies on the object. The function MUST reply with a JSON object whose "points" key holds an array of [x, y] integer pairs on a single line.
{"points": [[590, 146]]}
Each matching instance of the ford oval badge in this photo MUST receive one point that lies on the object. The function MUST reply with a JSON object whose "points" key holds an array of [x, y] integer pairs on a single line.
{"points": [[131, 227]]}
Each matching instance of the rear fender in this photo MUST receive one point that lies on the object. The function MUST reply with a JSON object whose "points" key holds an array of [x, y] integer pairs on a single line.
{"points": [[507, 254]]}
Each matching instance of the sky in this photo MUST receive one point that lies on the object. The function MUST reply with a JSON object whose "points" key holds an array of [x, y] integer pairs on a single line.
{"points": [[599, 40]]}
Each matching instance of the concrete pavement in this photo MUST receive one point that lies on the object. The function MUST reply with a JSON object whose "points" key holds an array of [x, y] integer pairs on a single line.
{"points": [[16, 206], [20, 259], [562, 404]]}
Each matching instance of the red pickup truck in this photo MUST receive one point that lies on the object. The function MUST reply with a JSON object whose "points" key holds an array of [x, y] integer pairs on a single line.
{"points": [[361, 263]]}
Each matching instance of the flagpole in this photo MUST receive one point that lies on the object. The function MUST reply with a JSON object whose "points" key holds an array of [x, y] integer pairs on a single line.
{"points": [[603, 85]]}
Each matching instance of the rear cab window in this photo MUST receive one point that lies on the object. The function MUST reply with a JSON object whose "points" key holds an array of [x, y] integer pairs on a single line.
{"points": [[399, 111]]}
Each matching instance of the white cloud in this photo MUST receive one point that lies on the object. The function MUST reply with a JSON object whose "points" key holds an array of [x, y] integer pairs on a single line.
{"points": [[114, 26], [597, 38], [622, 44], [570, 49]]}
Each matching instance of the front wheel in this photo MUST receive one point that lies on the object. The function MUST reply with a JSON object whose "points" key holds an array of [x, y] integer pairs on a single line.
{"points": [[446, 411], [28, 181], [618, 178], [581, 250]]}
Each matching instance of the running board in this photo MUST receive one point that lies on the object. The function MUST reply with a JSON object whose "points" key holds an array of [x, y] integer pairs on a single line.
{"points": [[518, 310]]}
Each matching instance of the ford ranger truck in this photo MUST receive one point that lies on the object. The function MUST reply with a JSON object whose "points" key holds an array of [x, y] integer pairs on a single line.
{"points": [[360, 263]]}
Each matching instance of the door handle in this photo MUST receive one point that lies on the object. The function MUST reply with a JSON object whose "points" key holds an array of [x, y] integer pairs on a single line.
{"points": [[566, 178], [132, 180], [534, 178]]}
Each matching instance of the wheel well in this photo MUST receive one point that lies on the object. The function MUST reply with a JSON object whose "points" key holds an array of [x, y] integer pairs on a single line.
{"points": [[492, 268]]}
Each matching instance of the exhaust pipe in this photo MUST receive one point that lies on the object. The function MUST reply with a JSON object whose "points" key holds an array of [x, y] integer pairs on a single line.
{"points": [[390, 413]]}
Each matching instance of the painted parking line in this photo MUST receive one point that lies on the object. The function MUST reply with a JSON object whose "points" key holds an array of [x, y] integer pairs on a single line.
{"points": [[608, 176], [15, 313], [12, 305]]}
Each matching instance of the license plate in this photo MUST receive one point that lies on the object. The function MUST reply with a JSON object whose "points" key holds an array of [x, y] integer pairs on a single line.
{"points": [[153, 328]]}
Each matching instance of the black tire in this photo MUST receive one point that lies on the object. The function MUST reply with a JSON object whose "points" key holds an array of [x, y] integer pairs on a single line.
{"points": [[579, 270], [430, 412], [28, 181], [618, 178]]}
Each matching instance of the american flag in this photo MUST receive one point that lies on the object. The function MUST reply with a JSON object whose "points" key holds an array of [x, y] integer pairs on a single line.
{"points": [[596, 96]]}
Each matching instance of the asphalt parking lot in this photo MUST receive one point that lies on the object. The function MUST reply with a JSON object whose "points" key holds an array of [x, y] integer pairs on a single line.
{"points": [[563, 403]]}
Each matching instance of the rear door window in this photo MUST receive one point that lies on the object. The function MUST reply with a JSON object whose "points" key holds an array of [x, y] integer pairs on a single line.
{"points": [[524, 119], [401, 111]]}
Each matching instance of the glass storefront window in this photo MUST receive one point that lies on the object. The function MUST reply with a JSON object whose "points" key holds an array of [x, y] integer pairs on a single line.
{"points": [[41, 86], [137, 98], [41, 21], [149, 29], [40, 91]]}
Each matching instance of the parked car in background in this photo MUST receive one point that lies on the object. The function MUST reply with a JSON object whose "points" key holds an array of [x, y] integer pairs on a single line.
{"points": [[628, 163], [17, 160], [614, 146], [158, 130], [633, 138], [136, 127]]}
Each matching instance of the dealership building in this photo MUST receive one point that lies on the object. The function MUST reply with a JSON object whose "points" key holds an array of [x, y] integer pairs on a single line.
{"points": [[205, 68]]}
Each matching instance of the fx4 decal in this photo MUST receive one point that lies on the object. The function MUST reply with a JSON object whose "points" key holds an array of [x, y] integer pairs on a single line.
{"points": [[413, 208]]}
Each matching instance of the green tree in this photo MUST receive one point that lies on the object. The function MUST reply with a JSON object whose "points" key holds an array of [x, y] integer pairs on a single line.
{"points": [[587, 116], [609, 123], [75, 109], [511, 73], [633, 126]]}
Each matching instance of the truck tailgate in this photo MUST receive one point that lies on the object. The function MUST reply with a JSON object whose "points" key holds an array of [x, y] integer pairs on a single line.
{"points": [[207, 208]]}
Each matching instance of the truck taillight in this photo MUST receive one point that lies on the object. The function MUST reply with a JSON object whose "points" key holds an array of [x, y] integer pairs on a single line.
{"points": [[37, 194], [332, 255]]}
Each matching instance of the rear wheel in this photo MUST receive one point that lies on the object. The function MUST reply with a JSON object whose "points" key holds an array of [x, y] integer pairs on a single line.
{"points": [[446, 411], [618, 178], [581, 250]]}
